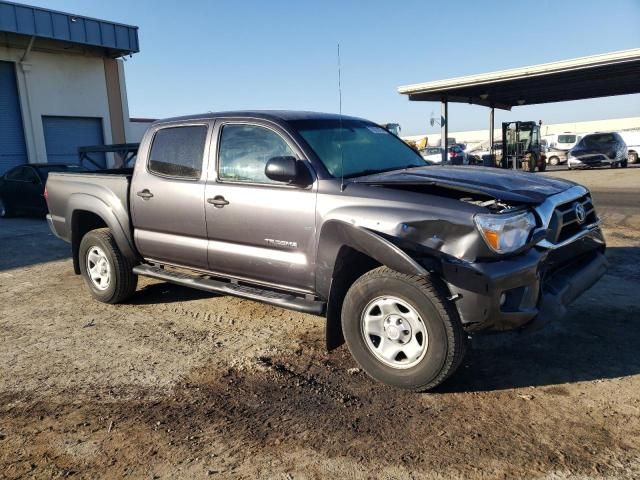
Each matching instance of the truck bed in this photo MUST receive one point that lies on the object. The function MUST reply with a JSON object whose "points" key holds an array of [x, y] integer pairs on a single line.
{"points": [[68, 192]]}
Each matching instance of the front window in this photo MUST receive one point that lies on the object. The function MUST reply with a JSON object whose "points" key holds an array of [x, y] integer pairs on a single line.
{"points": [[352, 148], [245, 151]]}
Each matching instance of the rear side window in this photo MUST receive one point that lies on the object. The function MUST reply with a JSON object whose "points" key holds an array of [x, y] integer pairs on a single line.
{"points": [[178, 151]]}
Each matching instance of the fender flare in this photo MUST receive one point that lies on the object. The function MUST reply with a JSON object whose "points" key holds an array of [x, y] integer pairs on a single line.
{"points": [[336, 234], [116, 220]]}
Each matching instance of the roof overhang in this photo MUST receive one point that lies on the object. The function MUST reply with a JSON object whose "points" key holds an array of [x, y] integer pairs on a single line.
{"points": [[113, 39], [616, 73]]}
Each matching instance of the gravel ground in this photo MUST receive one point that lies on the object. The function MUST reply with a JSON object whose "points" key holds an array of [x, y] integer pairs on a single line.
{"points": [[181, 383]]}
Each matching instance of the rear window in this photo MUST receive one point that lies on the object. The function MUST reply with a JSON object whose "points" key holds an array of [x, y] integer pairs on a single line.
{"points": [[566, 138], [177, 151]]}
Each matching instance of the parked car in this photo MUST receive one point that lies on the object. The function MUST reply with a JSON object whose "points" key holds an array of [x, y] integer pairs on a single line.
{"points": [[632, 139], [22, 187], [564, 141], [599, 150], [456, 155], [555, 156], [335, 216]]}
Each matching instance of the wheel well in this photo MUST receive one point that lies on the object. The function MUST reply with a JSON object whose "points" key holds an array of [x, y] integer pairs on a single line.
{"points": [[82, 222], [349, 266]]}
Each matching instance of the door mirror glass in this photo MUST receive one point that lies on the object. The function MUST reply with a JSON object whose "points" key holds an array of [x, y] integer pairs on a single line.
{"points": [[282, 169]]}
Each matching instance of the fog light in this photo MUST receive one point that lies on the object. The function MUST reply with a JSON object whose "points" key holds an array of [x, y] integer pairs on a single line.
{"points": [[503, 298]]}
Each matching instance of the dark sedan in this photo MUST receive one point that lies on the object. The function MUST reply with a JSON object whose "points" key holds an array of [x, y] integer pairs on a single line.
{"points": [[599, 150], [22, 187]]}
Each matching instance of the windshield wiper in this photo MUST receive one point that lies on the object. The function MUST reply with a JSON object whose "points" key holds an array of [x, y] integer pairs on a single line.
{"points": [[367, 172]]}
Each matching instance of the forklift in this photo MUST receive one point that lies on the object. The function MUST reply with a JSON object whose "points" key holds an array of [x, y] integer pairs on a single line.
{"points": [[521, 148]]}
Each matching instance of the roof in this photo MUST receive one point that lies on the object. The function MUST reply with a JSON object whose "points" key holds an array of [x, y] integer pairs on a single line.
{"points": [[116, 38], [273, 115], [580, 78]]}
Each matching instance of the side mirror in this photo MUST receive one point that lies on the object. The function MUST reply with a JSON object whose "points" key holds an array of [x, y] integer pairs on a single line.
{"points": [[286, 170]]}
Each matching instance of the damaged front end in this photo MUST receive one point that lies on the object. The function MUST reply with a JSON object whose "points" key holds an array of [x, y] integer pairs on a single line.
{"points": [[562, 258], [508, 263]]}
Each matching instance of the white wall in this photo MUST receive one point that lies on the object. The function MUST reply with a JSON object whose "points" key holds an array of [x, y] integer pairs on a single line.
{"points": [[478, 136], [136, 130], [58, 84]]}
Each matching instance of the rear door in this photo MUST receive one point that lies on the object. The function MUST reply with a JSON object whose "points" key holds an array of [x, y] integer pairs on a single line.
{"points": [[258, 229], [167, 195], [22, 189]]}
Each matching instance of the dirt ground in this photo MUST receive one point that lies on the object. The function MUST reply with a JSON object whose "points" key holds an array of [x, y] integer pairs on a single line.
{"points": [[183, 384]]}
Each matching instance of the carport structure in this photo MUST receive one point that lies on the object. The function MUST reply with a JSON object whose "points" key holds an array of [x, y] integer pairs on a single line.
{"points": [[603, 75]]}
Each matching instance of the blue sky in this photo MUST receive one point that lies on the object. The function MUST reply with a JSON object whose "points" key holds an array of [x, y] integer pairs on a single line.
{"points": [[218, 55]]}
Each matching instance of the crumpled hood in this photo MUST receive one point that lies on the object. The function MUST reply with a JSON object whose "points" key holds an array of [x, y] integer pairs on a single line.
{"points": [[505, 185]]}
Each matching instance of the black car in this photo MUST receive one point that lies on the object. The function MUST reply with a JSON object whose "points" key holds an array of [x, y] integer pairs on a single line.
{"points": [[599, 150], [22, 187]]}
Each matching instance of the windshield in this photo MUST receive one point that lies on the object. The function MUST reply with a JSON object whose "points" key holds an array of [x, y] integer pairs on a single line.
{"points": [[360, 147], [595, 141]]}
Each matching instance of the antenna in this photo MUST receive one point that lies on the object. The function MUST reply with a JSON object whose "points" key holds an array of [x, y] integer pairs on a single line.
{"points": [[340, 113]]}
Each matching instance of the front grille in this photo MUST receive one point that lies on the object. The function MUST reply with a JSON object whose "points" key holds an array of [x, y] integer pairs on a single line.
{"points": [[564, 222]]}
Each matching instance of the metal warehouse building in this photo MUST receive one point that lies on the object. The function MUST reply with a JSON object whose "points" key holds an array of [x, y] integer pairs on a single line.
{"points": [[61, 84]]}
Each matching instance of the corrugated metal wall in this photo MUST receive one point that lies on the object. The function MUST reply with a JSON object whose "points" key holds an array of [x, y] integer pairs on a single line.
{"points": [[12, 146], [64, 135]]}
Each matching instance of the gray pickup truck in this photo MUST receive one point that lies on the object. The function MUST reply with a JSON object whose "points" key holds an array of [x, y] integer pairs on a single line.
{"points": [[334, 216]]}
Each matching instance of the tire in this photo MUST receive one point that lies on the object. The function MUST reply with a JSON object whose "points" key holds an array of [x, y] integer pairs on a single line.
{"points": [[624, 163], [542, 166], [5, 210], [554, 161], [436, 342], [633, 157], [98, 254]]}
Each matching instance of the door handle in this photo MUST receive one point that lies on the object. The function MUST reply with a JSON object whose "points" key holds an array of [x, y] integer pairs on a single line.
{"points": [[218, 201], [145, 194]]}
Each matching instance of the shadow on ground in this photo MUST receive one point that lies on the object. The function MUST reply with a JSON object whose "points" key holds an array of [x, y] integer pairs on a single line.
{"points": [[598, 339], [163, 292], [26, 241]]}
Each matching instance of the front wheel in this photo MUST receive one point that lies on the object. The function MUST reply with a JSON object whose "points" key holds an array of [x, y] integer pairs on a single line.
{"points": [[402, 330], [554, 161], [107, 273], [5, 210]]}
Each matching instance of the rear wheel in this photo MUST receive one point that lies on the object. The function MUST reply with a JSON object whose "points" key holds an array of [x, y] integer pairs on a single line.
{"points": [[107, 273], [402, 330]]}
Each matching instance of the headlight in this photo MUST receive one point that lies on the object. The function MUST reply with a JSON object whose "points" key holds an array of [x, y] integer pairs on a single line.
{"points": [[505, 233]]}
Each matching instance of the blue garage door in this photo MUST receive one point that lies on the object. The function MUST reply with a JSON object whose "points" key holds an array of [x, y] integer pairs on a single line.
{"points": [[12, 148], [64, 135]]}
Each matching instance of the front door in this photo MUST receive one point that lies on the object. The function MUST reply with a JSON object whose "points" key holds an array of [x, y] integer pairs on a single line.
{"points": [[167, 197], [258, 229]]}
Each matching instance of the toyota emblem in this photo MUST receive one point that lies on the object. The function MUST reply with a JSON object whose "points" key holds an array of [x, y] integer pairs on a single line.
{"points": [[581, 215]]}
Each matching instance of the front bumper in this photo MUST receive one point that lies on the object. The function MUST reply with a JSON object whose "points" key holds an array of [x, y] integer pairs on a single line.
{"points": [[531, 289]]}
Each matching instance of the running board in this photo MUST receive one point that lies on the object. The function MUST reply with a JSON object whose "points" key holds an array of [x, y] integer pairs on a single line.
{"points": [[204, 282]]}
